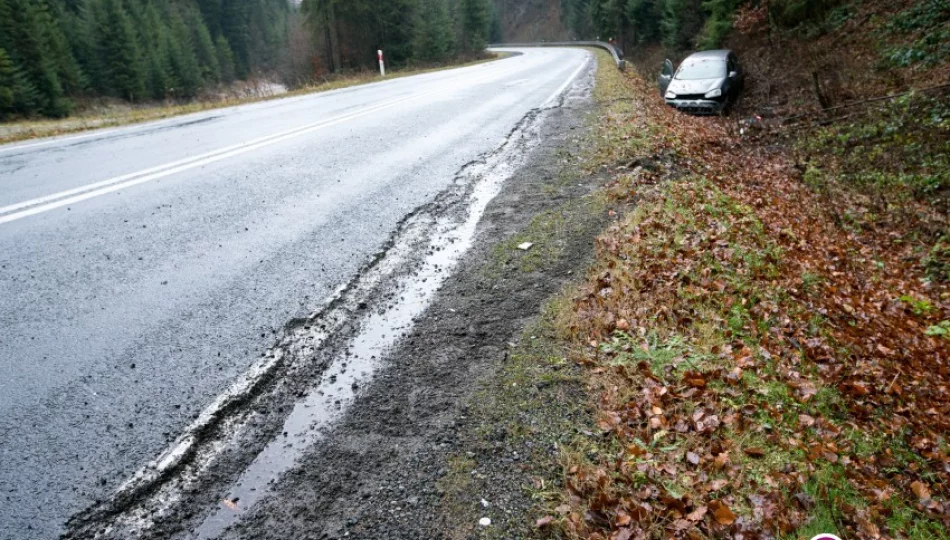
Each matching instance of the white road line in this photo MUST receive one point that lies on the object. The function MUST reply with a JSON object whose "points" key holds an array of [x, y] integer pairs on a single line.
{"points": [[72, 196], [53, 201], [567, 83], [277, 101]]}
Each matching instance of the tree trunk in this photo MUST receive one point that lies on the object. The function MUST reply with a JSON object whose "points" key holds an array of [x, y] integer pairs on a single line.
{"points": [[332, 37]]}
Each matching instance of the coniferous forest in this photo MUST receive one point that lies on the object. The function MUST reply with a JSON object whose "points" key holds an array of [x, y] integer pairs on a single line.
{"points": [[55, 53]]}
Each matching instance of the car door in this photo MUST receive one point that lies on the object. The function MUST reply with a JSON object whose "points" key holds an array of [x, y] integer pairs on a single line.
{"points": [[666, 76], [736, 78]]}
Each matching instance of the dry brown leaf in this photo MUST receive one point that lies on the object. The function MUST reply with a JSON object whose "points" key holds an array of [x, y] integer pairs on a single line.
{"points": [[920, 490], [721, 512], [716, 485], [697, 514], [622, 534]]}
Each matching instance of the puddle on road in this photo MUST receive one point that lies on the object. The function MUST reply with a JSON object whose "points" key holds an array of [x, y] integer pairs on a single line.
{"points": [[379, 331]]}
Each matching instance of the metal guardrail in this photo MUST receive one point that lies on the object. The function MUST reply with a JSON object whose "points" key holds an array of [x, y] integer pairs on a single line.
{"points": [[621, 65]]}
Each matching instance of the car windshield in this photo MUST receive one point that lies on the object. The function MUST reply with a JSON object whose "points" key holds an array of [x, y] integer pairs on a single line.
{"points": [[701, 68]]}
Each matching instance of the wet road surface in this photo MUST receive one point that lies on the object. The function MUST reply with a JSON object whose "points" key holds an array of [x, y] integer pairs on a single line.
{"points": [[143, 269]]}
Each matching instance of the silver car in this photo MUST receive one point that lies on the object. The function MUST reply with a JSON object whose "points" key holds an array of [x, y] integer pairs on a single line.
{"points": [[706, 82]]}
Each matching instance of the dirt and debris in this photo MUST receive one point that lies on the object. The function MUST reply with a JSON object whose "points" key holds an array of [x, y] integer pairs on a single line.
{"points": [[388, 469]]}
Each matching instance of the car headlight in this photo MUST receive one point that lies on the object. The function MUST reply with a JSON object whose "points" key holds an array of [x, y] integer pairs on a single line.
{"points": [[671, 95], [714, 93]]}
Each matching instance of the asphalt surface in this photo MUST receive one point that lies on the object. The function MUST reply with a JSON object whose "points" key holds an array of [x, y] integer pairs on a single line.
{"points": [[142, 269]]}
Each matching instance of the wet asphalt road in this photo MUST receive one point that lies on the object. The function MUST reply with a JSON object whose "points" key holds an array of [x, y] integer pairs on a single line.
{"points": [[142, 269]]}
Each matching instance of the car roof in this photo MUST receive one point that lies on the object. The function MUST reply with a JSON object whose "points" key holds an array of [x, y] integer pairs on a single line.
{"points": [[718, 53]]}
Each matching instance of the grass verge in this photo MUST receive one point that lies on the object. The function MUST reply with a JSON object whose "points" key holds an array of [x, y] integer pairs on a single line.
{"points": [[758, 370]]}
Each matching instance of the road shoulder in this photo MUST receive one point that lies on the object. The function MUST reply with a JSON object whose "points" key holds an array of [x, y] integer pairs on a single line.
{"points": [[394, 468]]}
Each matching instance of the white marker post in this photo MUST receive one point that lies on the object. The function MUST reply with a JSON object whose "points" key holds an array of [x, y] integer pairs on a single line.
{"points": [[382, 64]]}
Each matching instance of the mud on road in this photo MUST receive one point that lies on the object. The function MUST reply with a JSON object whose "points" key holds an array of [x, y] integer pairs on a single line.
{"points": [[361, 421], [387, 470]]}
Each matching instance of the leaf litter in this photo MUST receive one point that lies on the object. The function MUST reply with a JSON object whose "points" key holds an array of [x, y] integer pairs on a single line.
{"points": [[755, 370]]}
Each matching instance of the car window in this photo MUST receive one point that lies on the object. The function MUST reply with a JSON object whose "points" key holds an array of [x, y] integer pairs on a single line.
{"points": [[701, 68]]}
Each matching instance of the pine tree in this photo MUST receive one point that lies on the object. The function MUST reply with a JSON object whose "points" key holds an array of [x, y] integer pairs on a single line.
{"points": [[25, 30], [211, 13], [225, 59], [395, 20], [159, 76], [644, 17], [495, 33], [475, 25], [236, 28], [184, 63], [7, 82], [17, 95], [434, 40], [203, 47], [120, 58], [67, 68], [681, 22], [322, 18]]}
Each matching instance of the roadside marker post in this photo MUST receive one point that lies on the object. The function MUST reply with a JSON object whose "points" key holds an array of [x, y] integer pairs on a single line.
{"points": [[382, 64]]}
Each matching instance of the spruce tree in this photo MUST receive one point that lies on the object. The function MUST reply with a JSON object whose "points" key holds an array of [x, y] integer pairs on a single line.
{"points": [[185, 67], [395, 21], [120, 57], [67, 68], [434, 39], [25, 30], [225, 59], [7, 76], [160, 79], [236, 28], [17, 95], [203, 46], [476, 23]]}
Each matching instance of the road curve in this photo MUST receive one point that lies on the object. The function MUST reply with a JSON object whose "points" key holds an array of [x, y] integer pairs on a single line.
{"points": [[142, 269]]}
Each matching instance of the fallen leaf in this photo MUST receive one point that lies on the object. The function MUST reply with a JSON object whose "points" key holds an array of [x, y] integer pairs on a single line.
{"points": [[868, 529], [754, 452], [622, 534], [692, 457], [921, 490], [716, 485], [721, 512], [543, 522], [698, 514]]}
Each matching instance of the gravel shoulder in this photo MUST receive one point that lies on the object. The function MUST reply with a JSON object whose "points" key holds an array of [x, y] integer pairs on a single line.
{"points": [[470, 406]]}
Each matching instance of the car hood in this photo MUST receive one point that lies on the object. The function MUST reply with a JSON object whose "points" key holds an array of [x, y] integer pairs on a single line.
{"points": [[700, 86]]}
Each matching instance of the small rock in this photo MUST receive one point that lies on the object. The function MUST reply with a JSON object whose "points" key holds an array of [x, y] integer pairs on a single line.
{"points": [[484, 522]]}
